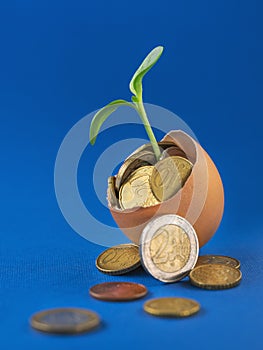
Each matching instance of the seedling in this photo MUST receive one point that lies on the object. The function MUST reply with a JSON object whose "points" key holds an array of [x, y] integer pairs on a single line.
{"points": [[137, 102]]}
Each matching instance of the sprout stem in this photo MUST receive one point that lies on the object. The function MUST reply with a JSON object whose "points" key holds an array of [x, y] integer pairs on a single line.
{"points": [[143, 115]]}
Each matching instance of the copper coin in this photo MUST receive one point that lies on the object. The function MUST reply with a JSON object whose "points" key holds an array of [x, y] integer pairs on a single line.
{"points": [[118, 291]]}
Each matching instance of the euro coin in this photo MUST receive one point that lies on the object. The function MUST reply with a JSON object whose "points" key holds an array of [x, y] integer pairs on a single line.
{"points": [[215, 276], [119, 259], [131, 164], [218, 259], [169, 248], [169, 175], [136, 191], [111, 193], [118, 291], [65, 320], [172, 307]]}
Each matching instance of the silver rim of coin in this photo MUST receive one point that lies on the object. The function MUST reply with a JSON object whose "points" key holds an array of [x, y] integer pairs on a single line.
{"points": [[145, 245], [65, 320]]}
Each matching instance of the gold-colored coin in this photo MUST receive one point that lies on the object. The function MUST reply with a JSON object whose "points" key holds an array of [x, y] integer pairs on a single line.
{"points": [[142, 156], [132, 163], [218, 259], [169, 175], [215, 276], [111, 193], [65, 320], [172, 307], [178, 243], [119, 259], [136, 191]]}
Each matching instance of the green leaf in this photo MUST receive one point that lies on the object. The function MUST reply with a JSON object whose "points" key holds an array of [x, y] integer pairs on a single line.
{"points": [[147, 64], [135, 99], [100, 117]]}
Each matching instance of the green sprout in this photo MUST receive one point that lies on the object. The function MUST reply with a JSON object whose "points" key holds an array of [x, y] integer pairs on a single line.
{"points": [[137, 102]]}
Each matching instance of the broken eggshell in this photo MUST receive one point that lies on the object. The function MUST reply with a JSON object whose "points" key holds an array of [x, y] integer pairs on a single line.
{"points": [[200, 201]]}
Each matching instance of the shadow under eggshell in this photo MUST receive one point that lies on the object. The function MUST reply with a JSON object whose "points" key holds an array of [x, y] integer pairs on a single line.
{"points": [[200, 200]]}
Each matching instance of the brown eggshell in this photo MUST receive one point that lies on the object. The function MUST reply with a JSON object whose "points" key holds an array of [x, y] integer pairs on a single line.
{"points": [[200, 201]]}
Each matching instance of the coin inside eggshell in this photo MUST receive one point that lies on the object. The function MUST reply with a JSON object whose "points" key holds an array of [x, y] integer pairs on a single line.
{"points": [[200, 201], [137, 190]]}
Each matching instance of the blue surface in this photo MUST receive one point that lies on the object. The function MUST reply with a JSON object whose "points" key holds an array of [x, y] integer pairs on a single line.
{"points": [[61, 60]]}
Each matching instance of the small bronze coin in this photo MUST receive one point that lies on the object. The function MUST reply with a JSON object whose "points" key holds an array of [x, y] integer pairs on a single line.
{"points": [[215, 276], [218, 259], [118, 291], [65, 320], [172, 307], [119, 259]]}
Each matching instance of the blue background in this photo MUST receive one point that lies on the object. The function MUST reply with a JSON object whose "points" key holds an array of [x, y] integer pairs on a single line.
{"points": [[61, 60]]}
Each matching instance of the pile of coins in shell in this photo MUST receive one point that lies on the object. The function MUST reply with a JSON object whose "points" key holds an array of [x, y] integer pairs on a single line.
{"points": [[142, 181], [169, 252]]}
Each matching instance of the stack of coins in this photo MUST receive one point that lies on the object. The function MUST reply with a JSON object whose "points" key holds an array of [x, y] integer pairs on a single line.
{"points": [[143, 182]]}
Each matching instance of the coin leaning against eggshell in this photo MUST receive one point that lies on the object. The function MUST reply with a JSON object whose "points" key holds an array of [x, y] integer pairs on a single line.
{"points": [[169, 248]]}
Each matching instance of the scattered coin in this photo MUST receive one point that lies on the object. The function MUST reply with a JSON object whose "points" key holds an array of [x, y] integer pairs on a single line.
{"points": [[169, 175], [212, 276], [119, 259], [111, 193], [65, 320], [169, 248], [136, 191], [218, 259], [172, 307], [118, 291]]}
